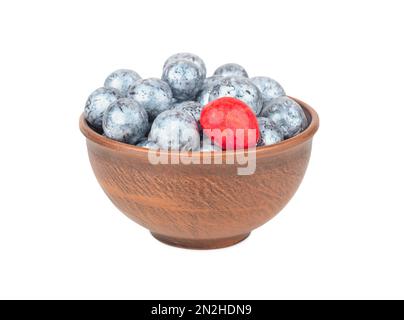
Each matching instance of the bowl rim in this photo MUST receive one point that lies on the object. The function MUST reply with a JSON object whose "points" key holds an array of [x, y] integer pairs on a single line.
{"points": [[273, 149]]}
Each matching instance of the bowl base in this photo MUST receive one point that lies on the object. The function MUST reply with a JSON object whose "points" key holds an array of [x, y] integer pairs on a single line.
{"points": [[200, 243]]}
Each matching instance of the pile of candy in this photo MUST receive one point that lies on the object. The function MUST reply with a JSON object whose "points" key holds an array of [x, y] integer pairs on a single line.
{"points": [[174, 112]]}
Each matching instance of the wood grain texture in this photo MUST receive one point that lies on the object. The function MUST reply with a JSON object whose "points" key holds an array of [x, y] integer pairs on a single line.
{"points": [[196, 205]]}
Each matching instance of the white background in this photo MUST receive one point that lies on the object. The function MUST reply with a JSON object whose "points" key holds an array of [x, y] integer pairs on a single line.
{"points": [[341, 236]]}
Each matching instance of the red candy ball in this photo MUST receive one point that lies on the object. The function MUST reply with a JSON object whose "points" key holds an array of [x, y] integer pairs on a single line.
{"points": [[227, 122]]}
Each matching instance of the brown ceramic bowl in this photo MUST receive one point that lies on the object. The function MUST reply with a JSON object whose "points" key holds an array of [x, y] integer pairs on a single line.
{"points": [[198, 205]]}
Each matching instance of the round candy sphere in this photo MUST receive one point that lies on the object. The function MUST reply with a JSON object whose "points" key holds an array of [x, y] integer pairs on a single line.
{"points": [[269, 134], [239, 88], [208, 83], [230, 123], [145, 143], [96, 105], [185, 79], [175, 130], [191, 107], [231, 70], [126, 121], [188, 57], [286, 114], [121, 80], [152, 94], [268, 87]]}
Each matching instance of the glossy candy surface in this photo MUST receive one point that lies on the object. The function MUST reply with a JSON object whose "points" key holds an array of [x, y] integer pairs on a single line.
{"points": [[126, 121], [268, 87], [208, 83], [152, 94], [188, 57], [240, 88], [269, 134], [96, 105], [287, 116], [230, 123], [231, 70], [192, 107], [121, 80], [185, 79], [175, 130]]}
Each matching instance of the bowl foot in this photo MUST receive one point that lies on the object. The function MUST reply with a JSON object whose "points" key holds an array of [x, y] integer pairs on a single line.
{"points": [[200, 243]]}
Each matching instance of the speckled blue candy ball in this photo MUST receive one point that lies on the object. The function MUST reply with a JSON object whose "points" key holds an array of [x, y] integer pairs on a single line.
{"points": [[231, 70], [269, 134], [126, 121], [188, 57], [185, 79], [286, 114], [175, 130], [121, 80], [240, 88], [268, 87], [208, 83], [96, 105], [191, 107], [152, 94]]}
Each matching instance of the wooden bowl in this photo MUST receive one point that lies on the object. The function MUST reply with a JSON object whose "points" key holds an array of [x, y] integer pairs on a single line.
{"points": [[198, 205]]}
